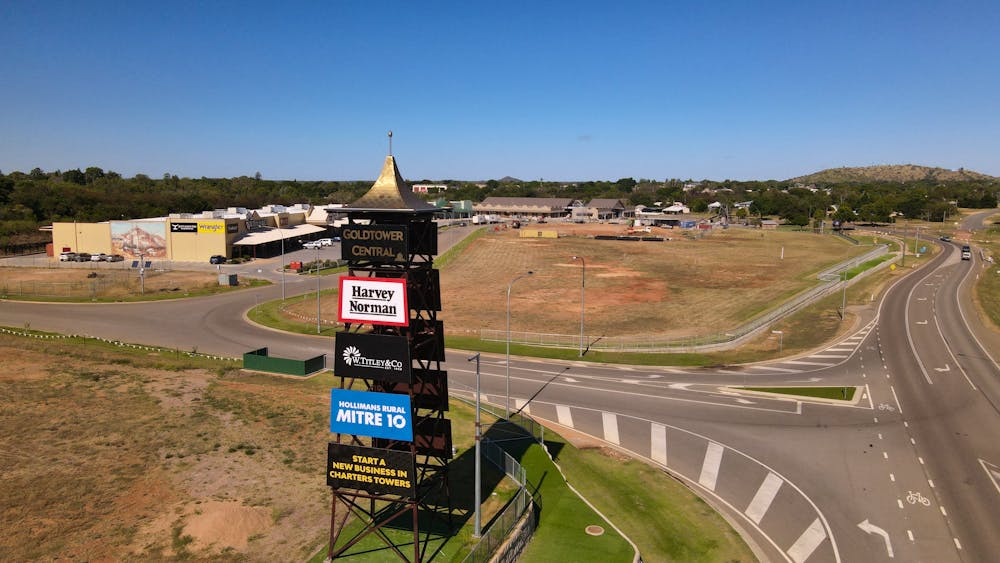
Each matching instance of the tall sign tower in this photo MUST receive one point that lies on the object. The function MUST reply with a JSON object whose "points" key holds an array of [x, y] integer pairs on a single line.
{"points": [[389, 462]]}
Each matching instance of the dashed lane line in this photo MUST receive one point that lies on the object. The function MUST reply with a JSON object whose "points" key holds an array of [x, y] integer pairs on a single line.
{"points": [[564, 416], [710, 467], [763, 498], [807, 542], [610, 427], [658, 443], [804, 363]]}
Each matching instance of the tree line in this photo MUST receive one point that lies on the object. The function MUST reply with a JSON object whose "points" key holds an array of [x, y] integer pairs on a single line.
{"points": [[29, 200]]}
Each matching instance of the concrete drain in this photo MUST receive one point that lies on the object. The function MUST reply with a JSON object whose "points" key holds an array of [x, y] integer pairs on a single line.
{"points": [[595, 530]]}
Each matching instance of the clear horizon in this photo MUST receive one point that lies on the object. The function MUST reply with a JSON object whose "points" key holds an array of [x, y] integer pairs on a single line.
{"points": [[559, 92]]}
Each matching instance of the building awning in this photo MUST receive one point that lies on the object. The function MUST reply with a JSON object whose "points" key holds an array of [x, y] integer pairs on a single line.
{"points": [[274, 234]]}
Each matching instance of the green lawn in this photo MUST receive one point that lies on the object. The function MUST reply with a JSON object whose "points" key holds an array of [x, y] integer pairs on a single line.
{"points": [[836, 393]]}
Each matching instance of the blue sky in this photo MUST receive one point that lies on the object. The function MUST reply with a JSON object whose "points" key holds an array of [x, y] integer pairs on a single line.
{"points": [[477, 90]]}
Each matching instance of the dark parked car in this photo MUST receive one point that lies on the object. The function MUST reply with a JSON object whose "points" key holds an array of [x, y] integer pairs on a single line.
{"points": [[82, 257], [217, 259], [116, 258]]}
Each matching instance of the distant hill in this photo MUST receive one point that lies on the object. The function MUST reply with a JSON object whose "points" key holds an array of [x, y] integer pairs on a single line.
{"points": [[509, 180], [890, 173]]}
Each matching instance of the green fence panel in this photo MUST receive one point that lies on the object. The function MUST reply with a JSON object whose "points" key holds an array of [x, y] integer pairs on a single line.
{"points": [[258, 360]]}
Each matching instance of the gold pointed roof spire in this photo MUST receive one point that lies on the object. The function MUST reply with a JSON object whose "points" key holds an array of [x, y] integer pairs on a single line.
{"points": [[391, 193]]}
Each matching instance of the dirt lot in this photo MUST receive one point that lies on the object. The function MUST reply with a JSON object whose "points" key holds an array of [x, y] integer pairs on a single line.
{"points": [[106, 455], [682, 286], [100, 283]]}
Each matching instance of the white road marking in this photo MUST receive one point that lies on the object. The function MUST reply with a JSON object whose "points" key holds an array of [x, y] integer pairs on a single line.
{"points": [[898, 406], [849, 349], [906, 424], [931, 482], [945, 368], [570, 380], [710, 467], [870, 528], [763, 498], [943, 511], [892, 477], [564, 415], [833, 356], [772, 368], [909, 534], [921, 322], [958, 544], [804, 363], [522, 406], [807, 542], [658, 443], [610, 427], [993, 472], [920, 459], [900, 503], [879, 435], [912, 441]]}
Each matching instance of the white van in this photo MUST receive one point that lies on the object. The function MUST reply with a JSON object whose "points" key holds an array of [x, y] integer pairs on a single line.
{"points": [[325, 242]]}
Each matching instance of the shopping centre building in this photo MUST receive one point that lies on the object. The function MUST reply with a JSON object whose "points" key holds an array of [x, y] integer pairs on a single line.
{"points": [[195, 237]]}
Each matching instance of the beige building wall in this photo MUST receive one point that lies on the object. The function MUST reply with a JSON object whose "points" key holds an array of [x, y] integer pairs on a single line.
{"points": [[81, 237], [207, 238]]}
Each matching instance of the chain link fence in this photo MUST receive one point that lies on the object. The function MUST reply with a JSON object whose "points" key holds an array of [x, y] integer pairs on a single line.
{"points": [[829, 282]]}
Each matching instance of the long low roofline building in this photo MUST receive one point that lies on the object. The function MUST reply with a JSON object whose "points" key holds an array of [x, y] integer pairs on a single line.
{"points": [[195, 237]]}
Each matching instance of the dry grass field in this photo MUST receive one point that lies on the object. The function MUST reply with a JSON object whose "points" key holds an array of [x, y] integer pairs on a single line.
{"points": [[74, 283], [108, 455], [683, 286]]}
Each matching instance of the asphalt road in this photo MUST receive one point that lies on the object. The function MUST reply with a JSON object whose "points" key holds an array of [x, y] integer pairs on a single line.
{"points": [[908, 472]]}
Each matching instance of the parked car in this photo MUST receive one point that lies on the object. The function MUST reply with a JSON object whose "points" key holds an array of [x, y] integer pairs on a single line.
{"points": [[311, 244], [101, 257], [67, 256], [82, 257], [325, 242], [946, 238], [115, 258], [217, 259]]}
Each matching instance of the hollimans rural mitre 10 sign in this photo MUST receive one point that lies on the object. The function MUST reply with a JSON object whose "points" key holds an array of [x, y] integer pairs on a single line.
{"points": [[378, 415], [377, 301]]}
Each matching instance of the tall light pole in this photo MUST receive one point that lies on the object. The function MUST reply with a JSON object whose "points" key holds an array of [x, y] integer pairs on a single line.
{"points": [[282, 260], [843, 300], [477, 529], [583, 283], [509, 286], [317, 288]]}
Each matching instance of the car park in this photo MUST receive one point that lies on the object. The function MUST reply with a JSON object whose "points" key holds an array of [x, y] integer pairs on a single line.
{"points": [[67, 256], [217, 259]]}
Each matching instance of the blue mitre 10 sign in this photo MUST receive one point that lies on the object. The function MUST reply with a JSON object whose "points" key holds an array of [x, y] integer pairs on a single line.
{"points": [[378, 415]]}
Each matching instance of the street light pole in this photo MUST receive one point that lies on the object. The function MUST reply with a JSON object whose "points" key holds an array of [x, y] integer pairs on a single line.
{"points": [[583, 283], [477, 529], [317, 290], [282, 260], [509, 286], [843, 300]]}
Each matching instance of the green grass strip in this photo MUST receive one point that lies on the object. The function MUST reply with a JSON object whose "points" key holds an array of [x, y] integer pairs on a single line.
{"points": [[835, 393]]}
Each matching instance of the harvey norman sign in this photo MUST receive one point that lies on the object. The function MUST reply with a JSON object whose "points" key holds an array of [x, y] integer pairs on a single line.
{"points": [[375, 243], [377, 301]]}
